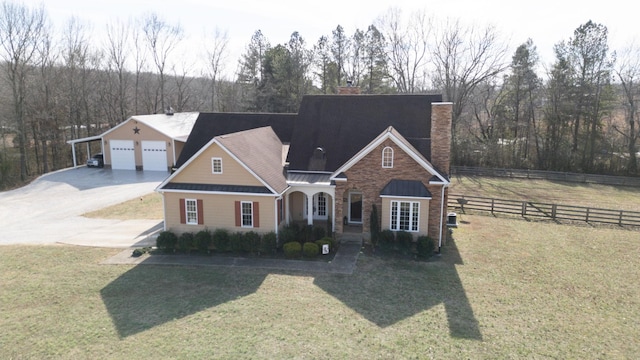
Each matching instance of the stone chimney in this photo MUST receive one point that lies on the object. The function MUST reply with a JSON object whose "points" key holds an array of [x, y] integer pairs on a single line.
{"points": [[349, 89], [441, 117]]}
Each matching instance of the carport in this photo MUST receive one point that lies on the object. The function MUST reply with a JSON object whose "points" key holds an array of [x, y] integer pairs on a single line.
{"points": [[86, 141]]}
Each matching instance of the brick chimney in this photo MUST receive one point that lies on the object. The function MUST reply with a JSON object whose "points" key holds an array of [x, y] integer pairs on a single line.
{"points": [[441, 114], [349, 89]]}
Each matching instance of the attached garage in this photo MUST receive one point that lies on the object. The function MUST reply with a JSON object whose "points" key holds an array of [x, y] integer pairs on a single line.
{"points": [[154, 156], [123, 156]]}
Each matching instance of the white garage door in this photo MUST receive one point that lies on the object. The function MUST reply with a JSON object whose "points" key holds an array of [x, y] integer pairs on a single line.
{"points": [[122, 155], [154, 156]]}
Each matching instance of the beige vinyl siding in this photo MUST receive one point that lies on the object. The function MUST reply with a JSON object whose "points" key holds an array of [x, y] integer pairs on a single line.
{"points": [[199, 170], [218, 212], [125, 132], [423, 225]]}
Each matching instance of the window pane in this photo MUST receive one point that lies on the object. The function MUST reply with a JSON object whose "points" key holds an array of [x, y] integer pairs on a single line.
{"points": [[414, 215], [387, 158], [192, 211], [322, 205], [404, 215], [247, 214], [216, 165], [394, 215]]}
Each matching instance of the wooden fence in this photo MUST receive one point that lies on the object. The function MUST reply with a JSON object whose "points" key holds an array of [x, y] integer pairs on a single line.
{"points": [[547, 175], [555, 212]]}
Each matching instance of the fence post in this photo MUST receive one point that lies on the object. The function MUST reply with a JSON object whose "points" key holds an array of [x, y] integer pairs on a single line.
{"points": [[492, 203], [587, 219], [620, 219], [524, 208], [554, 208]]}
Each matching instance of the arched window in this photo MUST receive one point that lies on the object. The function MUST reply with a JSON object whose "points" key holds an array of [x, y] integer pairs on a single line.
{"points": [[387, 157]]}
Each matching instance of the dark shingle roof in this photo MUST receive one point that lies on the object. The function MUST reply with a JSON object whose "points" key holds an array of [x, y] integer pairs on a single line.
{"points": [[343, 125], [210, 125], [410, 188], [217, 188]]}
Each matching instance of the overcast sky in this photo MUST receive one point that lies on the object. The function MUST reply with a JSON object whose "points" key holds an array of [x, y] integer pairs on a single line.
{"points": [[546, 22]]}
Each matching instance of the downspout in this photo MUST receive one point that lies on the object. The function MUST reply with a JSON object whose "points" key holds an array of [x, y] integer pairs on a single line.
{"points": [[441, 217]]}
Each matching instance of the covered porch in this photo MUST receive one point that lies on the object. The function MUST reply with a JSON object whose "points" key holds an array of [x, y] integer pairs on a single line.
{"points": [[310, 199]]}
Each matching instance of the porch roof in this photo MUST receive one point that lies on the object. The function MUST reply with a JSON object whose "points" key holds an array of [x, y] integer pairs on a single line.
{"points": [[308, 178], [406, 188]]}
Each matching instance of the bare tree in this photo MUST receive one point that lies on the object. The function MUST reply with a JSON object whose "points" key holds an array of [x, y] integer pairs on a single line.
{"points": [[161, 38], [117, 51], [407, 48], [465, 57], [216, 56], [628, 72], [21, 31]]}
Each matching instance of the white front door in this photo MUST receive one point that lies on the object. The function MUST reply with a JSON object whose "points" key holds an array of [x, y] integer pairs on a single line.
{"points": [[320, 203], [122, 155], [154, 156]]}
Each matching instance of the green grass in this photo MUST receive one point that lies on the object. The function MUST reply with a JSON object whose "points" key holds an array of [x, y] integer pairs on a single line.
{"points": [[503, 289], [566, 193], [147, 207]]}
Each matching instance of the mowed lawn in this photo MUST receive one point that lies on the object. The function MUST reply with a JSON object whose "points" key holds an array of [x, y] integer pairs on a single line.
{"points": [[503, 288], [551, 192]]}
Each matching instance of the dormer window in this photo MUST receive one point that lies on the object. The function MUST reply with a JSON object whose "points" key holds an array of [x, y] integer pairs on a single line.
{"points": [[387, 158], [216, 165]]}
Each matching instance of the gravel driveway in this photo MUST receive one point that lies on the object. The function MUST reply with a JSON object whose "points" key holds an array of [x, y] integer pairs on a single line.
{"points": [[49, 209]]}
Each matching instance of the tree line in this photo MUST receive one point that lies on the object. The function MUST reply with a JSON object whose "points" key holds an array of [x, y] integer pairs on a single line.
{"points": [[580, 115]]}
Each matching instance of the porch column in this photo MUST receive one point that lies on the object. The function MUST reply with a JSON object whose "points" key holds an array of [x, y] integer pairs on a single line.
{"points": [[287, 211], [73, 152], [309, 209]]}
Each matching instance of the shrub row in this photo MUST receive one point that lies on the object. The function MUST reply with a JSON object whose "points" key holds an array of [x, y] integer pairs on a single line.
{"points": [[221, 240], [302, 234], [402, 242], [295, 249]]}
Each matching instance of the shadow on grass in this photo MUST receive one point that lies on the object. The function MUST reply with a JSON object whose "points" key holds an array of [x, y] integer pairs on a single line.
{"points": [[149, 295], [384, 292]]}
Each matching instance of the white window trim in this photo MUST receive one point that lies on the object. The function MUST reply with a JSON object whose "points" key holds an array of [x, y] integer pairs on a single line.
{"points": [[213, 168], [396, 226], [392, 154], [186, 211], [242, 214]]}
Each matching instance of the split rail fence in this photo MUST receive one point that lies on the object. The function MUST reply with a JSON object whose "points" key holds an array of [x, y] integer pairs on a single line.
{"points": [[555, 212], [547, 175]]}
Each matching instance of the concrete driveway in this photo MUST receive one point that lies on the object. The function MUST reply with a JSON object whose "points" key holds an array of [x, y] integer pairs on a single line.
{"points": [[49, 209]]}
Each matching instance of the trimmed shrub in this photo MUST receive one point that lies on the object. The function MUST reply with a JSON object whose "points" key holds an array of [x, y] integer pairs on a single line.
{"points": [[251, 242], [404, 239], [236, 240], [306, 234], [221, 240], [387, 236], [203, 241], [310, 250], [287, 234], [331, 241], [167, 241], [185, 242], [319, 232], [374, 226], [140, 251], [425, 247], [292, 250], [322, 242], [269, 243]]}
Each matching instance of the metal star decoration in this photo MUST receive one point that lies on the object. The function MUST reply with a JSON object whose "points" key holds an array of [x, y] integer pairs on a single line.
{"points": [[136, 130]]}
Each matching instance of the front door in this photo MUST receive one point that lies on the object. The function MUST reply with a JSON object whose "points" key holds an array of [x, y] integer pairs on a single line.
{"points": [[355, 207]]}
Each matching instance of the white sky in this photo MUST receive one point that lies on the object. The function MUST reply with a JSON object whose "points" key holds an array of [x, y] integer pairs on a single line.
{"points": [[546, 22]]}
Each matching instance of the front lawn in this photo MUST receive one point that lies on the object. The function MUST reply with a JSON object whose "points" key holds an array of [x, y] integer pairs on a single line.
{"points": [[503, 289]]}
